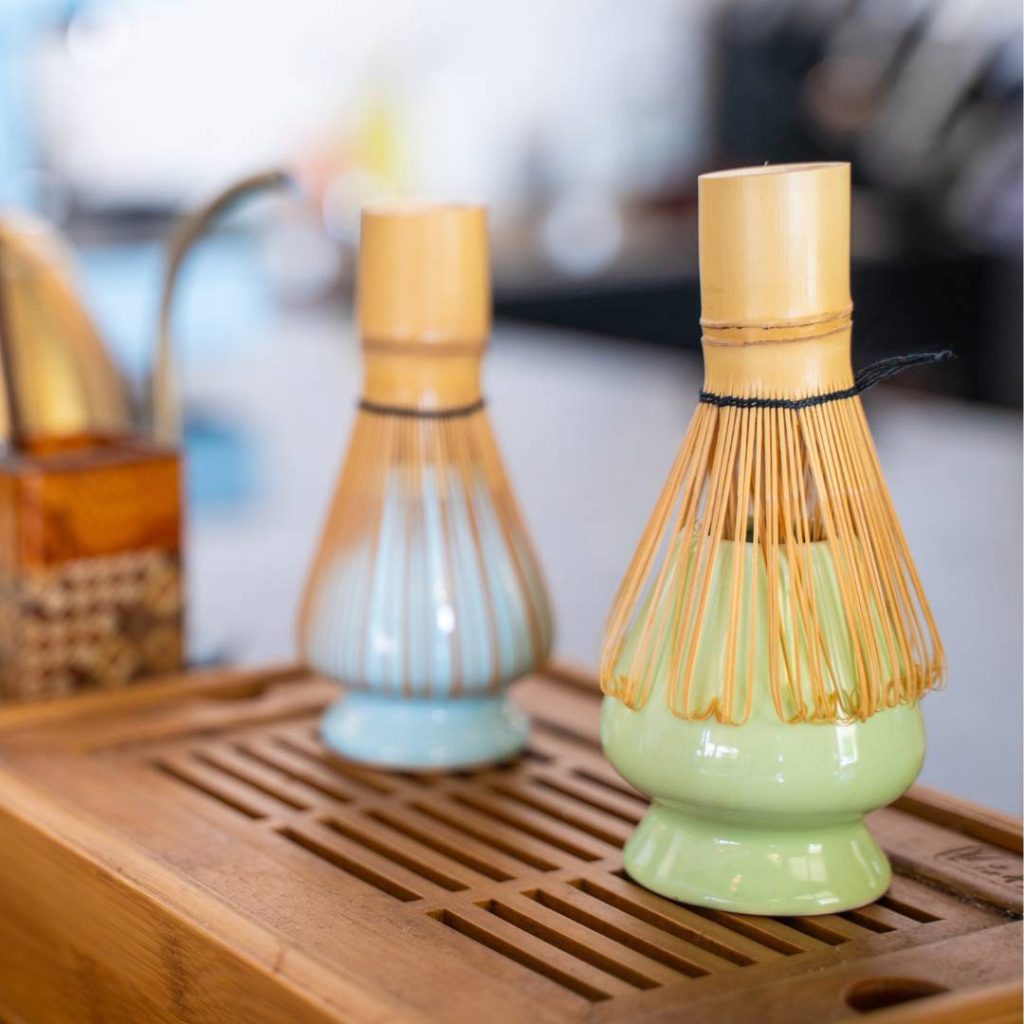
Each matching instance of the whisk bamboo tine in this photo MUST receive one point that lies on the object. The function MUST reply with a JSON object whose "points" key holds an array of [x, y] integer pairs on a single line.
{"points": [[777, 480]]}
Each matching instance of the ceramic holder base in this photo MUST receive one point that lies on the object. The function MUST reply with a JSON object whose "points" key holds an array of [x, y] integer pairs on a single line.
{"points": [[424, 734], [757, 864]]}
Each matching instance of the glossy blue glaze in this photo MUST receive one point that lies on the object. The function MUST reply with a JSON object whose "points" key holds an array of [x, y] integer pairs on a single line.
{"points": [[431, 603], [425, 615], [425, 733]]}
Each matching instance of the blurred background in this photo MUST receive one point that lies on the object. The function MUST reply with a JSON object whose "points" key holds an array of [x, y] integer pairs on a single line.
{"points": [[583, 124]]}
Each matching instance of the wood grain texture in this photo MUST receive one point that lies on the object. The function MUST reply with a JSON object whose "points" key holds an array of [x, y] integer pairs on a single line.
{"points": [[188, 851], [97, 501]]}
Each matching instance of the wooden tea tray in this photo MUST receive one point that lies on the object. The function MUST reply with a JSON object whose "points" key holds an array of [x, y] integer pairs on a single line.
{"points": [[189, 852]]}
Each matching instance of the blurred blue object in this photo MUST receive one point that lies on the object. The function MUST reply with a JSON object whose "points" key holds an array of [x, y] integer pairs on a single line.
{"points": [[220, 464], [224, 299], [223, 307], [19, 21]]}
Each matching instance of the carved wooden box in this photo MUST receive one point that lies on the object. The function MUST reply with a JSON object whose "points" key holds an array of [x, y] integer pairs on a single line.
{"points": [[90, 568]]}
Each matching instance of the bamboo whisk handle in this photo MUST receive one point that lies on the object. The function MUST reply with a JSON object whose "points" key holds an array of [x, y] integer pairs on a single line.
{"points": [[775, 251], [424, 299]]}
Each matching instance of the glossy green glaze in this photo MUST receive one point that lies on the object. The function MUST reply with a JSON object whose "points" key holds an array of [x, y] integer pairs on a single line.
{"points": [[764, 817]]}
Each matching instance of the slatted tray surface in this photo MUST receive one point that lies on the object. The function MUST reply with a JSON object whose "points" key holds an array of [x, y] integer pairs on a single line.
{"points": [[269, 878]]}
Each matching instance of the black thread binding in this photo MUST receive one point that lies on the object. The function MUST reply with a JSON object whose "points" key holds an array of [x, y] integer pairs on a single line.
{"points": [[866, 378], [421, 414]]}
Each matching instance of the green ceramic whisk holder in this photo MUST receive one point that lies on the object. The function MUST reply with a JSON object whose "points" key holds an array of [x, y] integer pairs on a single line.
{"points": [[770, 641], [765, 817], [762, 816]]}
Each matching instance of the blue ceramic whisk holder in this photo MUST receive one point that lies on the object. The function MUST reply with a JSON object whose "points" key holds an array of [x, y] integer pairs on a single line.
{"points": [[426, 734], [425, 600]]}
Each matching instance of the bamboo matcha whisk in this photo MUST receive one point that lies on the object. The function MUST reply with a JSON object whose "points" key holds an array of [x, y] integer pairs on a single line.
{"points": [[775, 513], [425, 597]]}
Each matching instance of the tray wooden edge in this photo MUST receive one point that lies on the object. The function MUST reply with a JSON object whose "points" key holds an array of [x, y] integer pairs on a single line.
{"points": [[213, 680], [995, 1004], [177, 911]]}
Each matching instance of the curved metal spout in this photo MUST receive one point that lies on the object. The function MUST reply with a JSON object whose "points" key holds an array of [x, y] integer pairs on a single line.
{"points": [[166, 408]]}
